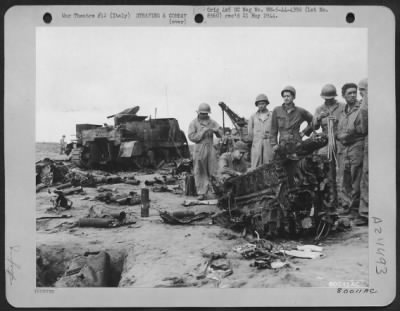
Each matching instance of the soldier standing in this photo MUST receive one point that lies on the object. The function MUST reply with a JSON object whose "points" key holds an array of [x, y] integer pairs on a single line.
{"points": [[62, 144], [326, 117], [259, 128], [286, 121], [351, 133], [364, 201], [201, 132]]}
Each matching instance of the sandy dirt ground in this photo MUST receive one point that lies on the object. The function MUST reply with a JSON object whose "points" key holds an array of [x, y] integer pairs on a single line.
{"points": [[150, 253]]}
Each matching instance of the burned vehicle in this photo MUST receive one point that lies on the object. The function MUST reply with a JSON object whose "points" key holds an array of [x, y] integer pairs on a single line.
{"points": [[283, 198], [133, 142]]}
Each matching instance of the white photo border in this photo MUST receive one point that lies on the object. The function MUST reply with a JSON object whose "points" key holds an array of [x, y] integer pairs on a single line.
{"points": [[19, 141]]}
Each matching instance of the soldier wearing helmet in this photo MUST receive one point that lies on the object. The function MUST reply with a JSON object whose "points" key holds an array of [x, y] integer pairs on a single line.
{"points": [[351, 133], [287, 119], [364, 201], [232, 164], [331, 108], [330, 111], [201, 132], [259, 128], [326, 117]]}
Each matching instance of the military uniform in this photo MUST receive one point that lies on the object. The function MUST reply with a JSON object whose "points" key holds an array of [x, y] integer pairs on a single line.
{"points": [[364, 200], [332, 111], [286, 121], [351, 133], [204, 154], [229, 167], [259, 127], [335, 111]]}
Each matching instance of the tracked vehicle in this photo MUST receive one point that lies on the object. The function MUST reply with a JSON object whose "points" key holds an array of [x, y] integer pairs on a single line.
{"points": [[133, 142]]}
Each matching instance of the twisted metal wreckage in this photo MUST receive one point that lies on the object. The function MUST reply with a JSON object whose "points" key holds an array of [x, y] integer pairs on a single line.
{"points": [[288, 196], [277, 200], [133, 141]]}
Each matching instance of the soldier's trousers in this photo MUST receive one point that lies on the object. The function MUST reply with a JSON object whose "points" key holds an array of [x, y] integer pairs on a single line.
{"points": [[204, 166], [350, 167], [364, 201]]}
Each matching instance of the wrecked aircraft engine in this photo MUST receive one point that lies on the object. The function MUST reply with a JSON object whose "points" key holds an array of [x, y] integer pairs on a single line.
{"points": [[133, 141], [283, 198]]}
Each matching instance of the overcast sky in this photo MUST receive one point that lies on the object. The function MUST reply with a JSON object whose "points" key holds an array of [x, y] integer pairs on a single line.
{"points": [[85, 74]]}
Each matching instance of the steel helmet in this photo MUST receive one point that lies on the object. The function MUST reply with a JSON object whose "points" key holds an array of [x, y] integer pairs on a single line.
{"points": [[241, 146], [290, 89], [204, 108], [262, 98], [328, 91], [363, 84]]}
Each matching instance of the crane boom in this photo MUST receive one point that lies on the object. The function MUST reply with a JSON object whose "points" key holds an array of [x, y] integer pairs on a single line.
{"points": [[238, 122]]}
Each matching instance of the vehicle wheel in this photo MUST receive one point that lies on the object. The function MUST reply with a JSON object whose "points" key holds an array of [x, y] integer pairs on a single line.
{"points": [[80, 157]]}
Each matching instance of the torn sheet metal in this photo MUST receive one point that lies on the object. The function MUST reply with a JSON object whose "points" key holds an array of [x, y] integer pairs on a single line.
{"points": [[130, 148]]}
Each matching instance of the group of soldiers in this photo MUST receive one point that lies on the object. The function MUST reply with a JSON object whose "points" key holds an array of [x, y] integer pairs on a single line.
{"points": [[345, 124]]}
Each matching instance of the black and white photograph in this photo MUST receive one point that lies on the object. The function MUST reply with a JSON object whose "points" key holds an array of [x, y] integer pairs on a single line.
{"points": [[200, 155]]}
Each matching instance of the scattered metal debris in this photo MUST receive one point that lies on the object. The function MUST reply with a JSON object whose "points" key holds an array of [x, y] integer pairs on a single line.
{"points": [[49, 172], [211, 257], [97, 222], [199, 202], [175, 281], [73, 190], [302, 254], [169, 180], [310, 248], [182, 217], [215, 268], [101, 216], [54, 217], [279, 264], [61, 200], [153, 182], [161, 189], [97, 211], [131, 181], [109, 197], [63, 186], [103, 222]]}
